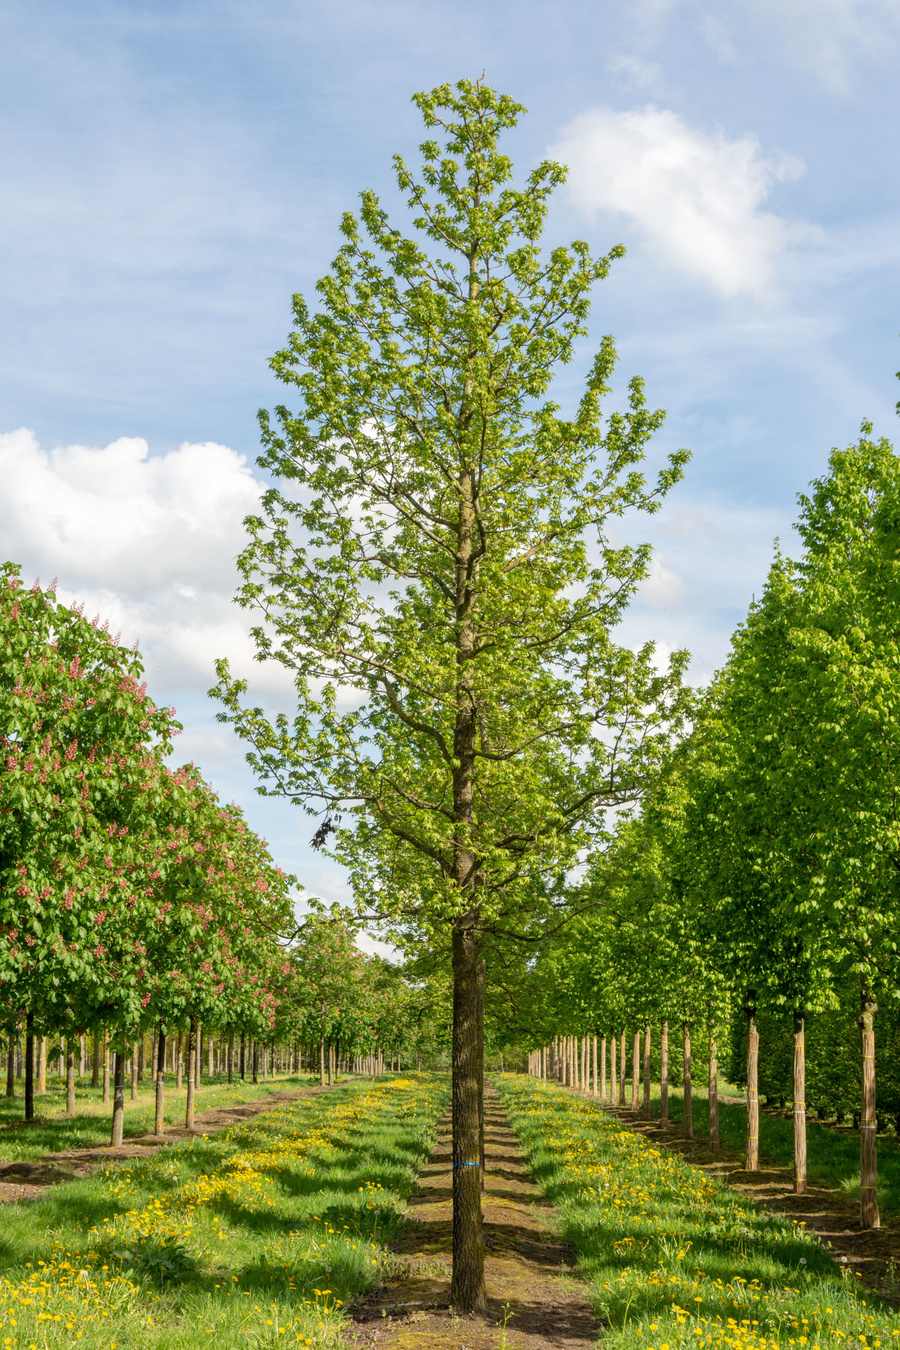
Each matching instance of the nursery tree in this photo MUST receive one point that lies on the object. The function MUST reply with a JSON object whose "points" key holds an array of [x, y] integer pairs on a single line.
{"points": [[434, 565]]}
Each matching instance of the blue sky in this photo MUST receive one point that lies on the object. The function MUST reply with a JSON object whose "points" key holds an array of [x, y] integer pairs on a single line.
{"points": [[172, 172]]}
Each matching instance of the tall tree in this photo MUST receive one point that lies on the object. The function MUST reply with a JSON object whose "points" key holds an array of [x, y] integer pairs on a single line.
{"points": [[434, 565]]}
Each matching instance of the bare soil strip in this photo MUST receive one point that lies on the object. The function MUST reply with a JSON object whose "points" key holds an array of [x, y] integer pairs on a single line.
{"points": [[530, 1275], [831, 1213], [29, 1180]]}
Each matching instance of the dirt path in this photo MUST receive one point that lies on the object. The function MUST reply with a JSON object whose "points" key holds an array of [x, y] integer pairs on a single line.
{"points": [[29, 1180], [529, 1271], [874, 1254]]}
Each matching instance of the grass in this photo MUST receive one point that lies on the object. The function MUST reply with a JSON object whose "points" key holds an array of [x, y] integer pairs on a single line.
{"points": [[833, 1154], [53, 1131], [674, 1258], [256, 1236]]}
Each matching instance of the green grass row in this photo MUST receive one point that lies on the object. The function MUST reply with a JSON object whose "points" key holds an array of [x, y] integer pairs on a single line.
{"points": [[674, 1258], [53, 1131], [833, 1152], [257, 1236]]}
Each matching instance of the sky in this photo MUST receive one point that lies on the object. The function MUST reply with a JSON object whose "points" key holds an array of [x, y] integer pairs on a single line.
{"points": [[172, 173]]}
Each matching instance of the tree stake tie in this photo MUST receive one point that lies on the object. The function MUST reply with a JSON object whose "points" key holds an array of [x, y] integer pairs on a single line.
{"points": [[455, 1165]]}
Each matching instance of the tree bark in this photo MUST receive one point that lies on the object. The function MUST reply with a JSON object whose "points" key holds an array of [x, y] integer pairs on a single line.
{"points": [[70, 1076], [603, 1097], [636, 1072], [713, 1088], [799, 1103], [231, 1059], [159, 1125], [118, 1115], [594, 1058], [751, 1161], [623, 1068], [29, 1066], [42, 1066], [688, 1092], [180, 1056], [105, 1052], [467, 1289], [664, 1075], [191, 1051], [869, 1216], [647, 1046], [613, 1083]]}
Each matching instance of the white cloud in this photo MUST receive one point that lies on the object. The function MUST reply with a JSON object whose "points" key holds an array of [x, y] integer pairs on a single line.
{"points": [[830, 37], [695, 197], [148, 541], [634, 71], [663, 588]]}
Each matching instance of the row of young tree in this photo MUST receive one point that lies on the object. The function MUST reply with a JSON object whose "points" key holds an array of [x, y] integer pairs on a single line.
{"points": [[132, 902], [759, 887]]}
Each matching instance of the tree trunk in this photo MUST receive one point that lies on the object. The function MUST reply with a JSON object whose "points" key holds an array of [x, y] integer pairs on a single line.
{"points": [[118, 1116], [243, 1055], [135, 1069], [180, 1056], [623, 1068], [191, 1051], [70, 1076], [594, 1058], [647, 1046], [603, 1096], [29, 1066], [231, 1059], [613, 1082], [688, 1097], [322, 1060], [95, 1060], [751, 1161], [255, 1051], [467, 1289], [105, 1052], [198, 1042], [160, 1122], [42, 1066], [664, 1075], [636, 1072], [713, 1087], [868, 1144], [799, 1103]]}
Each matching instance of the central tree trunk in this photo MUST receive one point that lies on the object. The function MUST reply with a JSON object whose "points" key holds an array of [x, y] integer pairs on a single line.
{"points": [[636, 1072], [623, 1068], [799, 1103], [751, 1161], [868, 1145], [190, 1052], [713, 1086], [29, 1066], [603, 1068], [688, 1094], [664, 1074], [160, 1121], [467, 1290], [118, 1116]]}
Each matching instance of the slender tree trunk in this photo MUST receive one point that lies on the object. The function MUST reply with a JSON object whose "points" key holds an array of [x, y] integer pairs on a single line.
{"points": [[868, 1144], [118, 1115], [95, 1060], [42, 1066], [664, 1074], [191, 1087], [603, 1096], [70, 1076], [180, 1055], [29, 1066], [231, 1059], [712, 1090], [594, 1058], [105, 1053], [210, 1049], [613, 1082], [243, 1055], [467, 1292], [636, 1072], [135, 1069], [623, 1068], [141, 1060], [647, 1047], [11, 1062], [688, 1094], [159, 1125], [480, 1054], [322, 1060], [198, 1061], [255, 1049], [799, 1103], [751, 1161]]}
